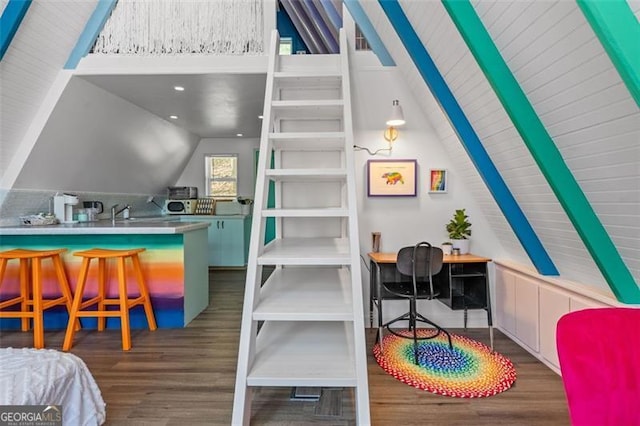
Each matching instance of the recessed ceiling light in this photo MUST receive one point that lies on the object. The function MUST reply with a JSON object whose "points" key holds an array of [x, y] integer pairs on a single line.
{"points": [[178, 88], [260, 117], [173, 117], [239, 135]]}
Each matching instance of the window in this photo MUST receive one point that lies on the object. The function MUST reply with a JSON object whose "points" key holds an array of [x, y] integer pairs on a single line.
{"points": [[361, 41], [221, 172], [286, 45]]}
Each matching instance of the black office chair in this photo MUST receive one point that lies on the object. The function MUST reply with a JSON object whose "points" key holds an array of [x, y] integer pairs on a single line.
{"points": [[420, 262]]}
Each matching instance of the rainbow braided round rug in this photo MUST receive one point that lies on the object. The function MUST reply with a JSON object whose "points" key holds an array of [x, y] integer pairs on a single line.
{"points": [[470, 370]]}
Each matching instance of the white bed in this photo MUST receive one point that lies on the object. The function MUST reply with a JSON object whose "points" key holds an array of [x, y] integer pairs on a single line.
{"points": [[49, 377]]}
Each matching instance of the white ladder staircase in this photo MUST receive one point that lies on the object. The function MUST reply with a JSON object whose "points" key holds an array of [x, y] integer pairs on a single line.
{"points": [[305, 326]]}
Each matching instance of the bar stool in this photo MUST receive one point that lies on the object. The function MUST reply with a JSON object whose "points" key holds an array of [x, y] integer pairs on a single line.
{"points": [[32, 303], [123, 301]]}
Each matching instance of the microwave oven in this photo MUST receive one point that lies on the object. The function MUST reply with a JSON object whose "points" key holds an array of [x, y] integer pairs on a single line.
{"points": [[180, 206]]}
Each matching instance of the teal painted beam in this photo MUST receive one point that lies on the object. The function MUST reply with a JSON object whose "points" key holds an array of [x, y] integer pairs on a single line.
{"points": [[360, 17], [10, 21], [618, 30], [90, 33], [470, 140], [544, 151]]}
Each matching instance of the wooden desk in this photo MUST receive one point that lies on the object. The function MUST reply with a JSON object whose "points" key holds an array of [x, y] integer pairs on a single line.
{"points": [[463, 284]]}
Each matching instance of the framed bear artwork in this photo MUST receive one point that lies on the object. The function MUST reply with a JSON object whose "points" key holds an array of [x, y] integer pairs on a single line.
{"points": [[392, 178]]}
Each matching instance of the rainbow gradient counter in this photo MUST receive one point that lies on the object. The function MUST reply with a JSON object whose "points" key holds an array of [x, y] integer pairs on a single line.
{"points": [[174, 264]]}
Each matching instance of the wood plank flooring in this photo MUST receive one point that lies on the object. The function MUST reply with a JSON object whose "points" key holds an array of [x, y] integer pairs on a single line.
{"points": [[187, 377]]}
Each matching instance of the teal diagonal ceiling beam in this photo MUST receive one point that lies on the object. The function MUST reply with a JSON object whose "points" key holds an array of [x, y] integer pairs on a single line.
{"points": [[544, 151], [618, 30], [470, 140], [10, 20]]}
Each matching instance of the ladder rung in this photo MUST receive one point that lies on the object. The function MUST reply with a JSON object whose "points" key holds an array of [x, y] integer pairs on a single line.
{"points": [[318, 212], [308, 80], [303, 353], [308, 141], [306, 294], [306, 251], [306, 174], [316, 109], [307, 74]]}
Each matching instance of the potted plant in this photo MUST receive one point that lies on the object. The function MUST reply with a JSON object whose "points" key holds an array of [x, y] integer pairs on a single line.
{"points": [[446, 247], [459, 229]]}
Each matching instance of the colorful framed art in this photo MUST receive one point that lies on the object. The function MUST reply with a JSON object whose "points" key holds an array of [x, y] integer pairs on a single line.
{"points": [[392, 178], [438, 181]]}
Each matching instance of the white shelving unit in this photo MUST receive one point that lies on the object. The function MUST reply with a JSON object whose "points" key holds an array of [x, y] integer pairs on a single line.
{"points": [[305, 325]]}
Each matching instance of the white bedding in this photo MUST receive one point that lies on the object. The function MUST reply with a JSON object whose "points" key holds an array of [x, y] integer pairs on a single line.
{"points": [[49, 377]]}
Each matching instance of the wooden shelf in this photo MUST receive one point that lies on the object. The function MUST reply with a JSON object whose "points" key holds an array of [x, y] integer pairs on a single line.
{"points": [[304, 354], [306, 294]]}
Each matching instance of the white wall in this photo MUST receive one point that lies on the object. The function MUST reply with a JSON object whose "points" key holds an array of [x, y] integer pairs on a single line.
{"points": [[193, 173], [407, 220], [96, 141], [31, 64]]}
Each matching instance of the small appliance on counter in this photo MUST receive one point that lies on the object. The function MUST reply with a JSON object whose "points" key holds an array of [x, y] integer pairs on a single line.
{"points": [[63, 207], [206, 206], [93, 209], [182, 192], [180, 206]]}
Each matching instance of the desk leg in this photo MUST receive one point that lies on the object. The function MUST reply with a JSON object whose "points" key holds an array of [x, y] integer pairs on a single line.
{"points": [[372, 277], [489, 318], [466, 317], [379, 302]]}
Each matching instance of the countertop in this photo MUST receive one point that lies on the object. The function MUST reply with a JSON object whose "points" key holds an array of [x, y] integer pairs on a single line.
{"points": [[164, 225]]}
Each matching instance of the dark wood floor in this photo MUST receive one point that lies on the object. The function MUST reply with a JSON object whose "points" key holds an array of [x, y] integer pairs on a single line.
{"points": [[186, 377]]}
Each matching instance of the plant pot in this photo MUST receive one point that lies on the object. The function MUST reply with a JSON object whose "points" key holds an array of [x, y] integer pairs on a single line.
{"points": [[446, 249], [462, 245]]}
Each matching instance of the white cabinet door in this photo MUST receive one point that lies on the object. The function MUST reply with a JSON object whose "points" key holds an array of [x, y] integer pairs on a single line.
{"points": [[227, 239], [527, 329], [578, 304], [506, 300], [230, 248], [553, 305]]}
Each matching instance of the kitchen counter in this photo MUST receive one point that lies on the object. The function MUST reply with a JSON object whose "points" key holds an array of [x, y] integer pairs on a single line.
{"points": [[130, 226], [174, 264]]}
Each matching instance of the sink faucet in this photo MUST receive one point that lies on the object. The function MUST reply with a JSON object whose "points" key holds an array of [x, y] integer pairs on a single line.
{"points": [[115, 212]]}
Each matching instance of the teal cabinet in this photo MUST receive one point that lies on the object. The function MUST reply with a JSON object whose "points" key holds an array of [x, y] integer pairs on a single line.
{"points": [[228, 239]]}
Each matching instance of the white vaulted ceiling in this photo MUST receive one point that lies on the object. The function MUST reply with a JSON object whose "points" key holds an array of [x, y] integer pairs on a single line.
{"points": [[211, 106], [577, 94], [35, 57], [548, 45]]}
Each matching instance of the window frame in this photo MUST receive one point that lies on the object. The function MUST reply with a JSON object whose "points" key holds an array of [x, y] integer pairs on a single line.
{"points": [[209, 178]]}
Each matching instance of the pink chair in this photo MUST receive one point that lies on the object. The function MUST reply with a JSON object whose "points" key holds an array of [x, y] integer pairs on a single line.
{"points": [[599, 352]]}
